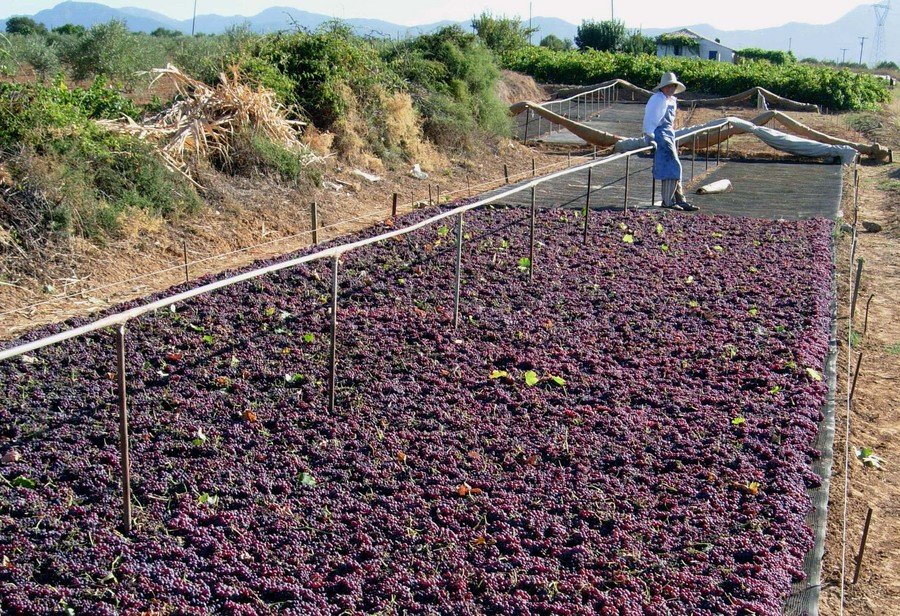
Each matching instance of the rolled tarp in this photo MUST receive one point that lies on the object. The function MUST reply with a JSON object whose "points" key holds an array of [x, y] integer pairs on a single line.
{"points": [[792, 144], [591, 135]]}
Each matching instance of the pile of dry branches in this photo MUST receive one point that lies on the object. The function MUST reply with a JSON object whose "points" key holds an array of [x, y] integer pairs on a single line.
{"points": [[204, 121]]}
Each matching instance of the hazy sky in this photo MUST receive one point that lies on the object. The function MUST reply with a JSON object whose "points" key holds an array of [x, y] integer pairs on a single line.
{"points": [[723, 14]]}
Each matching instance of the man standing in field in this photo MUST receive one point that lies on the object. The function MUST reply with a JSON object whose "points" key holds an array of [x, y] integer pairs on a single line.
{"points": [[659, 127]]}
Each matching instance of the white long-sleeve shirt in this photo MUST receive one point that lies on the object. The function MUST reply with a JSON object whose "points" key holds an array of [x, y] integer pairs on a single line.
{"points": [[655, 110]]}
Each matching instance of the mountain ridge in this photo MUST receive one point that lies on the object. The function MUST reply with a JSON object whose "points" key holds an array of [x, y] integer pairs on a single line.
{"points": [[835, 41]]}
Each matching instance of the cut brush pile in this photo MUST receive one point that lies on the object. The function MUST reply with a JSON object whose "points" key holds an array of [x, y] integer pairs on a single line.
{"points": [[208, 122]]}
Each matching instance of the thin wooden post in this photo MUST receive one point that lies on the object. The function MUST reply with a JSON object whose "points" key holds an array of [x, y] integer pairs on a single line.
{"points": [[653, 191], [459, 241], [314, 223], [862, 545], [394, 204], [123, 432], [531, 241], [627, 174], [859, 266], [430, 196], [855, 195], [568, 159], [866, 322], [332, 358], [533, 168], [506, 172], [437, 188], [855, 375], [468, 184], [187, 277], [587, 202], [527, 122]]}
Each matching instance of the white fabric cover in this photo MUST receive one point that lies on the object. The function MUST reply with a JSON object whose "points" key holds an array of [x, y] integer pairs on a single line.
{"points": [[774, 138]]}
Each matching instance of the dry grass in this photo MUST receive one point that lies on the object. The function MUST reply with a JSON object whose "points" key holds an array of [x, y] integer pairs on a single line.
{"points": [[204, 121]]}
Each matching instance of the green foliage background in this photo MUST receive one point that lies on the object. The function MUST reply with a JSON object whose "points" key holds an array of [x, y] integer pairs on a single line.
{"points": [[834, 89]]}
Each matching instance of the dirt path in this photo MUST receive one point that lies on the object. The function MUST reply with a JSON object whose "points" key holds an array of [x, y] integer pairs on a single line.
{"points": [[874, 419]]}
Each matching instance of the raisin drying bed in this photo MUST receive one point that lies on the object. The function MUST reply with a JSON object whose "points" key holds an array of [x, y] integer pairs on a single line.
{"points": [[785, 190]]}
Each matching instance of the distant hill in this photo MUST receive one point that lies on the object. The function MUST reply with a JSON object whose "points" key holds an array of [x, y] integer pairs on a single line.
{"points": [[805, 40]]}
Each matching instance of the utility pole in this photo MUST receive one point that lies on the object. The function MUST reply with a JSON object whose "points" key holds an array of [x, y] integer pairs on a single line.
{"points": [[862, 41], [194, 20], [843, 55], [790, 40], [530, 31], [612, 10]]}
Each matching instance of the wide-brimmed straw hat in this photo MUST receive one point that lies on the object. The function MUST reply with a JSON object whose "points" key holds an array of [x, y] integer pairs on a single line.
{"points": [[668, 79]]}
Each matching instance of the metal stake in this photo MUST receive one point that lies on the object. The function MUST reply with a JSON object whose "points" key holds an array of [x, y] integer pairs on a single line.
{"points": [[693, 155], [653, 192], [862, 545], [527, 122], [855, 375], [187, 277], [727, 139], [459, 241], [531, 243], [314, 224], [718, 145], [123, 432], [866, 322], [533, 168], [430, 198], [855, 196], [625, 201], [333, 355], [707, 149], [506, 172], [587, 203], [394, 204], [859, 266]]}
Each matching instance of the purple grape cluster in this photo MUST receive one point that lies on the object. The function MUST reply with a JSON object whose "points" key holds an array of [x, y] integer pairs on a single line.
{"points": [[630, 433]]}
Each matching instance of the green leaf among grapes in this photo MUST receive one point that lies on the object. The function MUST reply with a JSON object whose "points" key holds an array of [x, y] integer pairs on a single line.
{"points": [[531, 378]]}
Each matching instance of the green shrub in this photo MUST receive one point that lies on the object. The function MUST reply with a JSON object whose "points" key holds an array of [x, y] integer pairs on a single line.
{"points": [[25, 26], [775, 57], [110, 49], [48, 136], [40, 54], [601, 35], [555, 43], [502, 34], [835, 89], [254, 151], [452, 78]]}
